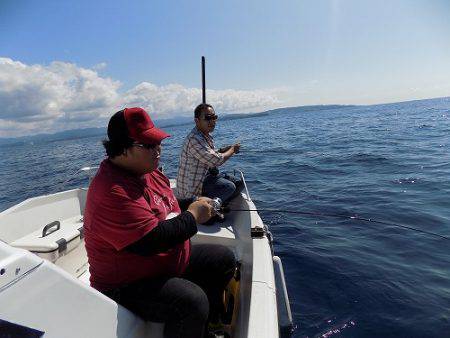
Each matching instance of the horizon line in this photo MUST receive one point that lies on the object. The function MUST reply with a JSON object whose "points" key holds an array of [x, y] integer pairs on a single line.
{"points": [[241, 113]]}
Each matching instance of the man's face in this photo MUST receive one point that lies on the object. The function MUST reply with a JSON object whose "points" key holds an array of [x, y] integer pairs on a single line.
{"points": [[144, 158], [207, 121]]}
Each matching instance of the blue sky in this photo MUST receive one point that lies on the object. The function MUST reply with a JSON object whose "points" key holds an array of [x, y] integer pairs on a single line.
{"points": [[71, 64]]}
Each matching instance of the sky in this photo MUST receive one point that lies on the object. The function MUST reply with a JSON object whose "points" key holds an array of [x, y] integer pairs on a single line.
{"points": [[72, 64]]}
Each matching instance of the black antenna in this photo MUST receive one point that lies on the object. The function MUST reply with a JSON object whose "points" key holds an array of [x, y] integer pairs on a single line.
{"points": [[203, 81]]}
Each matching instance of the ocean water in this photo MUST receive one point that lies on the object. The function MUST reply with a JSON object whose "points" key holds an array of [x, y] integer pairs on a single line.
{"points": [[346, 278]]}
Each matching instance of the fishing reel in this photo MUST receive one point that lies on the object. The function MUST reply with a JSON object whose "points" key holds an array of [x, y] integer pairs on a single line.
{"points": [[217, 206]]}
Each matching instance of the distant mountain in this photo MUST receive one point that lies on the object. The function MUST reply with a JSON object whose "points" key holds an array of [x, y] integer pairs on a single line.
{"points": [[62, 135], [176, 121], [164, 123], [299, 109], [307, 109]]}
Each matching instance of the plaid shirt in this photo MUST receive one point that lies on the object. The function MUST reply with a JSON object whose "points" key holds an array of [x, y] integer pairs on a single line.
{"points": [[197, 156]]}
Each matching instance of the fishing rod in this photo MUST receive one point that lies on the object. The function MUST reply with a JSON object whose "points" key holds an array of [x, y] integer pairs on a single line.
{"points": [[203, 81], [370, 220], [314, 213]]}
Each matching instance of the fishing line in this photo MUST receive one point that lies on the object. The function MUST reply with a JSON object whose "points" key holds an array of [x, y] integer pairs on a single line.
{"points": [[319, 214], [245, 151]]}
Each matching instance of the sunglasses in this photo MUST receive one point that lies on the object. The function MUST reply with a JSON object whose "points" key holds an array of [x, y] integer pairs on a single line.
{"points": [[146, 146], [211, 117]]}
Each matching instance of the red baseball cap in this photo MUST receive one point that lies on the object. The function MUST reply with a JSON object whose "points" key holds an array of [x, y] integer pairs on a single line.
{"points": [[141, 128]]}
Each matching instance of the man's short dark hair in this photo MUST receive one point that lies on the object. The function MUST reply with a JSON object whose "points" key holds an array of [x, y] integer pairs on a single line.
{"points": [[118, 139], [200, 108]]}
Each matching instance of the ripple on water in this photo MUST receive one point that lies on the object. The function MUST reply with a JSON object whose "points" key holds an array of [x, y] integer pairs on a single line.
{"points": [[346, 278]]}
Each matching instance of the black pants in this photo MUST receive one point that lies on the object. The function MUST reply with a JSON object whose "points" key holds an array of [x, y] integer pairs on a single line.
{"points": [[183, 303]]}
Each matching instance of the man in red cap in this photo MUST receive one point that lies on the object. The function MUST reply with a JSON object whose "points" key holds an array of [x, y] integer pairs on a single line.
{"points": [[140, 257]]}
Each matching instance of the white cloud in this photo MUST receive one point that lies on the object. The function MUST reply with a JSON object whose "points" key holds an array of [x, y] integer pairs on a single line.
{"points": [[99, 66], [59, 96], [40, 98], [174, 99]]}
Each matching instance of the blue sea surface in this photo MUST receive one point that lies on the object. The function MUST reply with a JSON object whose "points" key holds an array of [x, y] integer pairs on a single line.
{"points": [[346, 278]]}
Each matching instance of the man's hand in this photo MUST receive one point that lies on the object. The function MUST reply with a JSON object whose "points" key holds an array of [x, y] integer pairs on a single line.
{"points": [[202, 209], [204, 198], [236, 147], [224, 149], [231, 150]]}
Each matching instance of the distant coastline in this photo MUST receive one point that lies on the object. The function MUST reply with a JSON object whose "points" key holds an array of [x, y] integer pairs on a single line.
{"points": [[177, 121], [164, 123]]}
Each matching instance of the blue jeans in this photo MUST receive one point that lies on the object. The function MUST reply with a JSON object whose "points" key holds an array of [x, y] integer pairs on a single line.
{"points": [[220, 185]]}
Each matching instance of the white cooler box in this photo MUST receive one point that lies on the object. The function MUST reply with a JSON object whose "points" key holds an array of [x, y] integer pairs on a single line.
{"points": [[60, 242]]}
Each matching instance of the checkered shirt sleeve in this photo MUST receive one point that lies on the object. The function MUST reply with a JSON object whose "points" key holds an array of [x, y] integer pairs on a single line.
{"points": [[197, 156], [202, 151]]}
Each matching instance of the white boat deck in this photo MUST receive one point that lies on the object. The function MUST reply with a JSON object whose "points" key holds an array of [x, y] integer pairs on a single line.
{"points": [[75, 302]]}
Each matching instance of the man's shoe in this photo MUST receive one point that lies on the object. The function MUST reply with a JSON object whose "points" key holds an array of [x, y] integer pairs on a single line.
{"points": [[218, 334], [217, 330]]}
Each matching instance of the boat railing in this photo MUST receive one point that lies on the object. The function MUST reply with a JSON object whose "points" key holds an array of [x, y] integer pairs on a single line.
{"points": [[241, 174], [88, 171]]}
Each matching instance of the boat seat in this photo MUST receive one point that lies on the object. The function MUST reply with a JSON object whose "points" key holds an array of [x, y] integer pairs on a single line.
{"points": [[85, 277], [60, 242], [53, 238], [156, 329]]}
